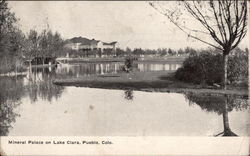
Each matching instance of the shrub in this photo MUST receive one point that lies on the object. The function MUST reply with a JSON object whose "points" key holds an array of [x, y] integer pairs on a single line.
{"points": [[237, 68], [207, 68], [11, 65], [129, 63]]}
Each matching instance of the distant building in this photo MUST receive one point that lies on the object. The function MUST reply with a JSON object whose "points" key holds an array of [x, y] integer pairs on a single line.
{"points": [[112, 45], [80, 43]]}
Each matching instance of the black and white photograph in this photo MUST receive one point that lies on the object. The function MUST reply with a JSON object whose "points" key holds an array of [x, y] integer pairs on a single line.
{"points": [[124, 68]]}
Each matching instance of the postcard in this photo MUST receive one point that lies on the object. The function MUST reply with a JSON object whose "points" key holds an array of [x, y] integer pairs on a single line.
{"points": [[124, 77]]}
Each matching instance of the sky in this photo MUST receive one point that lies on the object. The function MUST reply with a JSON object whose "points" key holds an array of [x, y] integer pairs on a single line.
{"points": [[133, 24]]}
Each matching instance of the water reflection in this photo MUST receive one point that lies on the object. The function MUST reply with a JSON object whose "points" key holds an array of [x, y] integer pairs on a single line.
{"points": [[128, 94], [11, 91], [36, 84], [86, 69], [25, 100], [147, 113], [39, 84], [222, 105], [158, 66]]}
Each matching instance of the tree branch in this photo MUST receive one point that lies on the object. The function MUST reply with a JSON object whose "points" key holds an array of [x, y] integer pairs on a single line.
{"points": [[178, 26]]}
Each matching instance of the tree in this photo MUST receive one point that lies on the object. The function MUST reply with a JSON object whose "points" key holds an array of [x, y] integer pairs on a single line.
{"points": [[171, 52], [223, 21], [163, 52], [137, 51], [180, 52], [57, 44], [190, 51], [43, 45], [128, 51], [11, 40], [31, 47], [46, 44]]}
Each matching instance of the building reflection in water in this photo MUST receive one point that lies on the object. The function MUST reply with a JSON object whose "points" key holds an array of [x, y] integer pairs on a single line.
{"points": [[87, 69], [158, 66], [38, 85], [222, 105]]}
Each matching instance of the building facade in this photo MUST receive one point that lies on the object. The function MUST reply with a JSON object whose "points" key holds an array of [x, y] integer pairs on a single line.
{"points": [[80, 43]]}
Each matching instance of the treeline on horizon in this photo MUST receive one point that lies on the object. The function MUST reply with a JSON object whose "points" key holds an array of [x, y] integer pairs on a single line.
{"points": [[139, 52], [161, 52]]}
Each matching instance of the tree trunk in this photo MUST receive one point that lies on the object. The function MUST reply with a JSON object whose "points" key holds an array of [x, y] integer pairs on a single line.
{"points": [[30, 65], [6, 63], [225, 64], [225, 118], [16, 71], [30, 70]]}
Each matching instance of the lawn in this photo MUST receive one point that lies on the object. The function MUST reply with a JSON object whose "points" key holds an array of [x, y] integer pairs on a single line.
{"points": [[162, 81]]}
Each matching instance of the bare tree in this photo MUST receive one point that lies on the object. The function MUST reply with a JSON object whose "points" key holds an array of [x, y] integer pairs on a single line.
{"points": [[223, 21]]}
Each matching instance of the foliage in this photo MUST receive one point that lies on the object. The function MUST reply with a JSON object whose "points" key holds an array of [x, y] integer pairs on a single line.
{"points": [[128, 64], [222, 21], [11, 40], [137, 52], [45, 44], [238, 65], [206, 68], [15, 47], [120, 52], [154, 52]]}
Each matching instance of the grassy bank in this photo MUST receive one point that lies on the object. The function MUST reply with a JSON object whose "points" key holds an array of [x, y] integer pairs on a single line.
{"points": [[147, 81]]}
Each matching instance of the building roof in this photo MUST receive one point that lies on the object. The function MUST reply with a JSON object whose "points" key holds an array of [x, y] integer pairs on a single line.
{"points": [[111, 43], [82, 40], [86, 41]]}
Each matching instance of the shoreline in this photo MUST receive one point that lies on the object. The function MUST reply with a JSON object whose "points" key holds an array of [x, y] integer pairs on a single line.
{"points": [[147, 81]]}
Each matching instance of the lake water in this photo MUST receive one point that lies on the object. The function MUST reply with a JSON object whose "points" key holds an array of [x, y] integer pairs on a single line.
{"points": [[77, 70], [33, 105]]}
